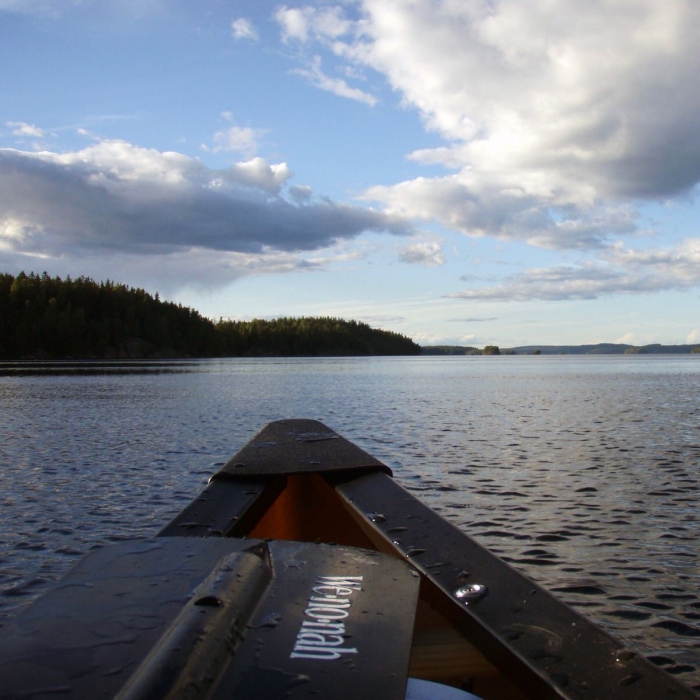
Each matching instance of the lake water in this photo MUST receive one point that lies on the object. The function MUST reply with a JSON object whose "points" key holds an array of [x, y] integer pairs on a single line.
{"points": [[582, 471]]}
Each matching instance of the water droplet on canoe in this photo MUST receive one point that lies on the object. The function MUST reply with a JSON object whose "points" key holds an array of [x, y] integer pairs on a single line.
{"points": [[471, 593], [113, 671], [271, 620], [316, 437], [632, 678], [414, 552], [622, 655], [376, 517], [397, 529], [238, 465]]}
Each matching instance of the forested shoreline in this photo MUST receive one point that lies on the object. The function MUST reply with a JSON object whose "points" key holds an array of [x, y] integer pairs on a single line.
{"points": [[49, 318]]}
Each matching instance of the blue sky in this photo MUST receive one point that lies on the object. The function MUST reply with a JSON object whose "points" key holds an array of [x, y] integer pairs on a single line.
{"points": [[478, 172]]}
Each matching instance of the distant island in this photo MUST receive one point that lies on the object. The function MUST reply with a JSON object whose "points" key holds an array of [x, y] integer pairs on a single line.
{"points": [[49, 318]]}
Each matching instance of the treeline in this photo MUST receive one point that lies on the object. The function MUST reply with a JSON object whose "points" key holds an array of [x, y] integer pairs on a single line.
{"points": [[463, 350], [449, 350], [43, 317], [311, 336]]}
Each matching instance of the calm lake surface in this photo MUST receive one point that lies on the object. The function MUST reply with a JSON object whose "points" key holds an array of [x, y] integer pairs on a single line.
{"points": [[582, 471]]}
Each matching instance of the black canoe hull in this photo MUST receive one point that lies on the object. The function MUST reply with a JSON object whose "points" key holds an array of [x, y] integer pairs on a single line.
{"points": [[441, 606]]}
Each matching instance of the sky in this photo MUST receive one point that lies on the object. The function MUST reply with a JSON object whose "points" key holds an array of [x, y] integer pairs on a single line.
{"points": [[472, 172]]}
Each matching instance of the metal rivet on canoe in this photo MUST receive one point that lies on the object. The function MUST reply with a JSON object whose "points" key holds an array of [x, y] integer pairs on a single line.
{"points": [[471, 593], [376, 517]]}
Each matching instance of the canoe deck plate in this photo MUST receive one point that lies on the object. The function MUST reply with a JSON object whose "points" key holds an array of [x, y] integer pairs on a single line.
{"points": [[217, 617], [298, 447]]}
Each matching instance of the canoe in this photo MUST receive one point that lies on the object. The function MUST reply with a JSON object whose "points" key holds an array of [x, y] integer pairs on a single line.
{"points": [[303, 570]]}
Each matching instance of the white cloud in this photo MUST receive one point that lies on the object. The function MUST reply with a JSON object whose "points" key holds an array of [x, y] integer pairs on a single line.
{"points": [[471, 319], [116, 199], [242, 28], [198, 268], [337, 86], [428, 253], [260, 174], [551, 284], [681, 263], [301, 24], [300, 193], [467, 204], [428, 339], [24, 129], [549, 93], [637, 339], [553, 111], [294, 23], [326, 26], [241, 139], [617, 271], [693, 337]]}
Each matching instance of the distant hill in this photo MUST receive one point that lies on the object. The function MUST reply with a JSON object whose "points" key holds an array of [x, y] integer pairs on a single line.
{"points": [[599, 349], [47, 318], [606, 349]]}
